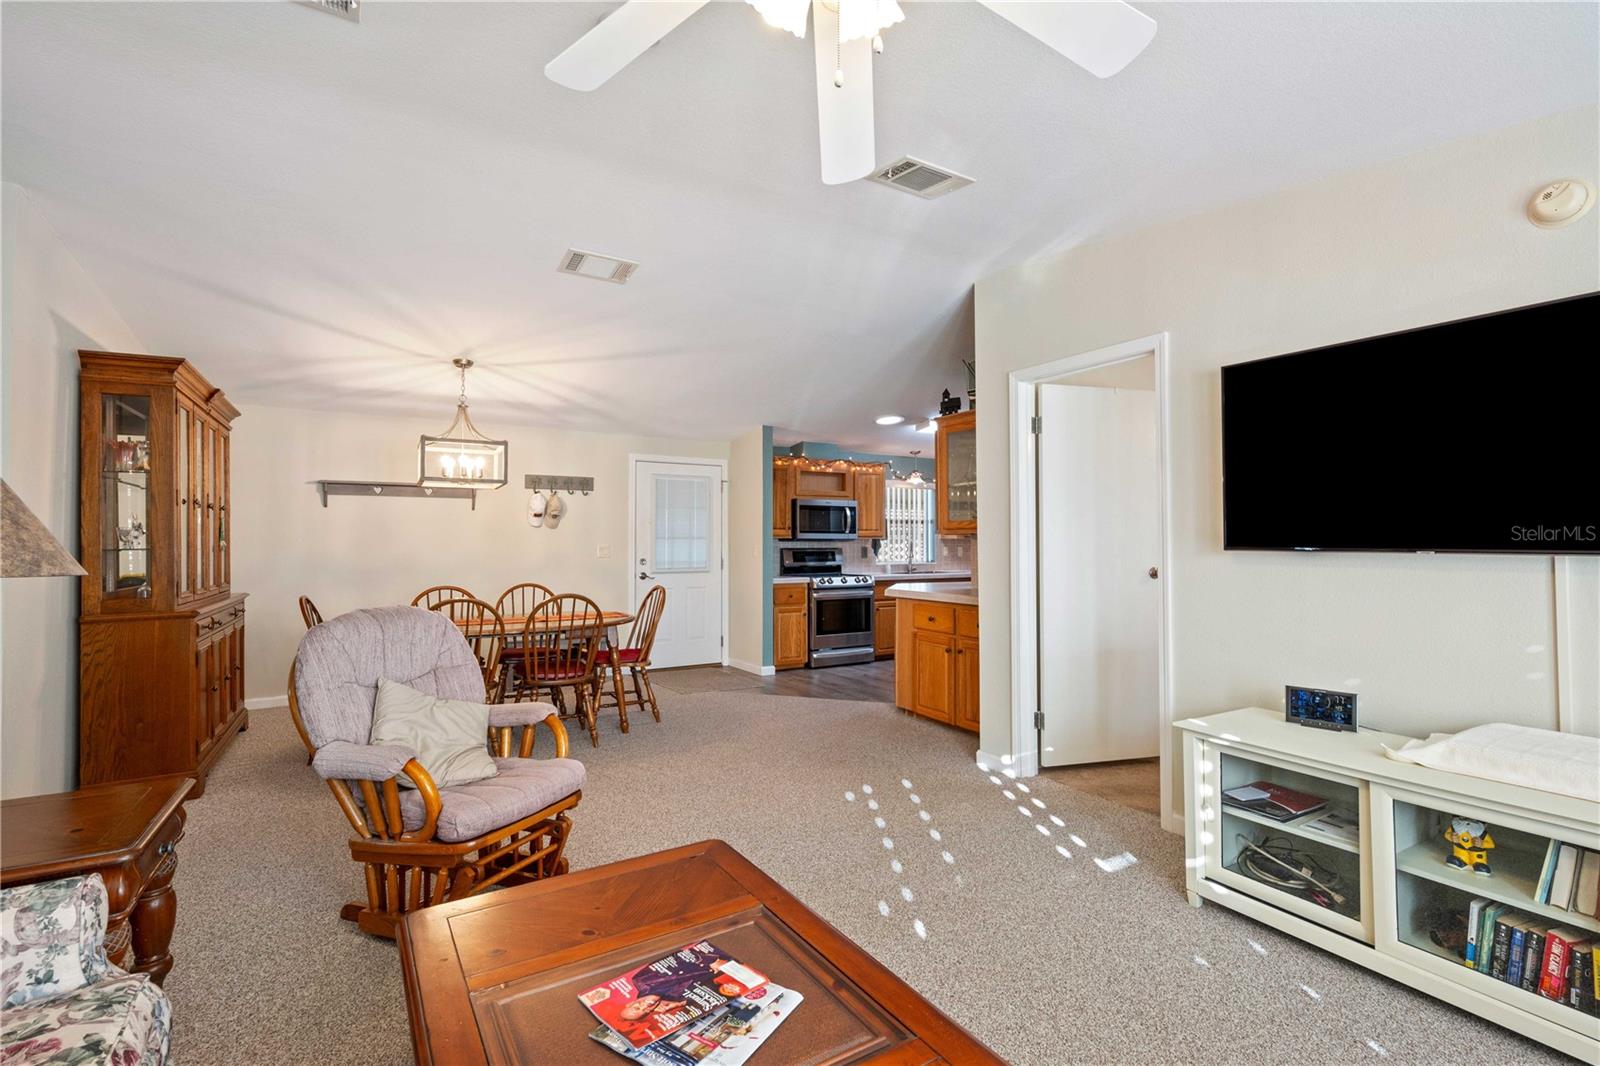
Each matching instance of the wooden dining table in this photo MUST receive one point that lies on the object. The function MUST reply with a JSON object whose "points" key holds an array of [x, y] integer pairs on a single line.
{"points": [[515, 624]]}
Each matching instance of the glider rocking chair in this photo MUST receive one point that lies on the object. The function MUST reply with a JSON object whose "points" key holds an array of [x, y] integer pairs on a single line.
{"points": [[426, 845]]}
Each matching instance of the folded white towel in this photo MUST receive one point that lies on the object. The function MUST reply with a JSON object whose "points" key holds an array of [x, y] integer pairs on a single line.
{"points": [[1567, 764]]}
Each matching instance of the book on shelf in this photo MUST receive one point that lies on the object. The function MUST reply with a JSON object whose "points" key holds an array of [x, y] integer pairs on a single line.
{"points": [[1486, 929], [1500, 959], [1586, 894], [1532, 954], [1555, 972], [1570, 879], [1580, 979], [651, 1002], [1474, 922], [1518, 947], [1336, 825], [1272, 800]]}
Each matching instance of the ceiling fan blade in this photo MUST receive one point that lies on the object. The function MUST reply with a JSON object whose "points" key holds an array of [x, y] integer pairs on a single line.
{"points": [[621, 38], [1101, 36], [844, 113]]}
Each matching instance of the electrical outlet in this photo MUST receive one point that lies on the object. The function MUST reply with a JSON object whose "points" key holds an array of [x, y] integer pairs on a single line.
{"points": [[602, 551]]}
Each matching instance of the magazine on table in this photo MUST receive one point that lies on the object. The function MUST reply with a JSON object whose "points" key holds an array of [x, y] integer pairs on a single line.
{"points": [[727, 1037], [656, 1000]]}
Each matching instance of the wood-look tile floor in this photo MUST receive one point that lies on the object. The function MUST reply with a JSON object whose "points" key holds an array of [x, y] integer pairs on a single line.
{"points": [[864, 682]]}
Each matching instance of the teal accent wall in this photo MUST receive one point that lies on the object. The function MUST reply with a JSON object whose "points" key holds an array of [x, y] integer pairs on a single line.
{"points": [[769, 561]]}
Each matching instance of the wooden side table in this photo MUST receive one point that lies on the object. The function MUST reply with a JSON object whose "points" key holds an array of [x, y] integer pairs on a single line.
{"points": [[128, 834]]}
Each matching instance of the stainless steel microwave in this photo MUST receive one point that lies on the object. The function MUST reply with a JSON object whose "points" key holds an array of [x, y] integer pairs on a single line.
{"points": [[823, 519]]}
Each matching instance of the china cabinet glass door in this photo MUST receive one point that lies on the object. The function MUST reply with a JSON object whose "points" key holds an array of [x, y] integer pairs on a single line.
{"points": [[125, 496]]}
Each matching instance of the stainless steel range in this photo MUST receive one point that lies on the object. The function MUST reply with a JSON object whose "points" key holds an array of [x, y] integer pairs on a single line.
{"points": [[841, 607]]}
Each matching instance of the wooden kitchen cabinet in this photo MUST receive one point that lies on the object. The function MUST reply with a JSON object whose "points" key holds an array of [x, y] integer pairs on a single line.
{"points": [[783, 485], [834, 480], [791, 626], [160, 630], [936, 667], [955, 459], [871, 488], [883, 628]]}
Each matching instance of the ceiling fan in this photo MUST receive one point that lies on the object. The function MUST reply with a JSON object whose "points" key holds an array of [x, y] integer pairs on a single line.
{"points": [[1102, 36]]}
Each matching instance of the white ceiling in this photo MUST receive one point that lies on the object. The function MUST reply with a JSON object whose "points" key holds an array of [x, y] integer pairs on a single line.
{"points": [[324, 214]]}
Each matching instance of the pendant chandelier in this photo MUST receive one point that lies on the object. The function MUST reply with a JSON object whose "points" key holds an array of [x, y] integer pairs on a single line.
{"points": [[461, 457]]}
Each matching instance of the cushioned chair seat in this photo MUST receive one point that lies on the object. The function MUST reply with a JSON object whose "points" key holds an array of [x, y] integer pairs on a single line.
{"points": [[626, 655], [522, 787], [114, 1021]]}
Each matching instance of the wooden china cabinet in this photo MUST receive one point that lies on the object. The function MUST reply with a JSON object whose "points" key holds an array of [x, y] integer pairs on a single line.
{"points": [[161, 631]]}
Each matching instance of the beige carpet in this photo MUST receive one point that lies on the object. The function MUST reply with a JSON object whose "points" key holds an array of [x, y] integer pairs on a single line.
{"points": [[1049, 959]]}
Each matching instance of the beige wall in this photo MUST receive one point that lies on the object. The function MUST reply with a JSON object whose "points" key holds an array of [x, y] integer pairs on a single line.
{"points": [[748, 528], [51, 309], [366, 552], [1430, 642]]}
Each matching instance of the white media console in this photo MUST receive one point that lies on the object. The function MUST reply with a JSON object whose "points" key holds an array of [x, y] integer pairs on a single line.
{"points": [[1395, 885]]}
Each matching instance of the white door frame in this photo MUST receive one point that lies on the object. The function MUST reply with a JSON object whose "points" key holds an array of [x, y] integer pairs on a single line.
{"points": [[1025, 549], [634, 459]]}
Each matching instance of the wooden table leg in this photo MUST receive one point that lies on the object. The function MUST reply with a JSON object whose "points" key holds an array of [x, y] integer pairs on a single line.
{"points": [[155, 912]]}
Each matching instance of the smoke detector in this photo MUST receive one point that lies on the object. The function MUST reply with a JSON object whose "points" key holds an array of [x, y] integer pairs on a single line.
{"points": [[1561, 203], [349, 9], [597, 266], [920, 178]]}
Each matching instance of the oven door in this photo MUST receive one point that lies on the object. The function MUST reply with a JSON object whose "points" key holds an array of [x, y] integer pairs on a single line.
{"points": [[824, 519], [841, 618]]}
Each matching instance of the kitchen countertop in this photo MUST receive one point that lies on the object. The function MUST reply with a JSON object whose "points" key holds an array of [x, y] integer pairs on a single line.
{"points": [[790, 580], [938, 591]]}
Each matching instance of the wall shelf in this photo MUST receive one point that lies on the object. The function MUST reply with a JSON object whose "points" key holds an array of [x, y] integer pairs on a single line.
{"points": [[402, 489]]}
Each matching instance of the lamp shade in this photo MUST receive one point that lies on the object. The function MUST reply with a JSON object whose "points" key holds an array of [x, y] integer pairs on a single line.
{"points": [[26, 548]]}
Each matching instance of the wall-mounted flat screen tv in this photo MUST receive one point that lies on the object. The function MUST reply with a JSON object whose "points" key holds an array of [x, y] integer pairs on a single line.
{"points": [[1481, 435]]}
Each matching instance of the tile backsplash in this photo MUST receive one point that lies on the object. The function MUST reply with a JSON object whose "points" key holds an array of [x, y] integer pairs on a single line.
{"points": [[951, 553]]}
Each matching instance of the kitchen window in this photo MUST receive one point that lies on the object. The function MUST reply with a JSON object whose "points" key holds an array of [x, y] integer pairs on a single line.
{"points": [[909, 510]]}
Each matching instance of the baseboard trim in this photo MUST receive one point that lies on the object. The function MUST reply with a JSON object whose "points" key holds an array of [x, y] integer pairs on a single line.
{"points": [[262, 703], [1022, 764], [751, 668]]}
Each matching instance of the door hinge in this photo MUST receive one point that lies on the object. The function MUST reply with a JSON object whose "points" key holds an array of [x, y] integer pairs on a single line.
{"points": [[1038, 719], [1036, 425]]}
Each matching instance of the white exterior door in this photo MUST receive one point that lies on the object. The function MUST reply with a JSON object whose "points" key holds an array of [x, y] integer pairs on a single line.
{"points": [[1099, 608], [677, 514]]}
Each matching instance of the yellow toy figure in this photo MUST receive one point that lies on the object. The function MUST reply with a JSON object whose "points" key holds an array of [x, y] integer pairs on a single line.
{"points": [[1470, 845]]}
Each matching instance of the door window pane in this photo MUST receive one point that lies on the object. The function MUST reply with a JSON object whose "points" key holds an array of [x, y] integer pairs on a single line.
{"points": [[683, 523]]}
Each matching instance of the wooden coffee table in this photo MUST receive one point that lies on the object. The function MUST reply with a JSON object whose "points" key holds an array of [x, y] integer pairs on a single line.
{"points": [[495, 978]]}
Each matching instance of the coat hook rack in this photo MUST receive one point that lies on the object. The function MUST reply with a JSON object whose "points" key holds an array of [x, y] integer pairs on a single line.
{"points": [[558, 483]]}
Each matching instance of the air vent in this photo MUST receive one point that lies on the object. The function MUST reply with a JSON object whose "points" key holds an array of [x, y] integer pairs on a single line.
{"points": [[348, 9], [920, 178], [597, 266]]}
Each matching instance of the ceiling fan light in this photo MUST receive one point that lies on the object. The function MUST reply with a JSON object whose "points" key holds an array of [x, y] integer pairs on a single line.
{"points": [[865, 19], [787, 15]]}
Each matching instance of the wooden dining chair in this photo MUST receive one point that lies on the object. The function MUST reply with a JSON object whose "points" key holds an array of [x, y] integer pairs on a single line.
{"points": [[520, 599], [516, 603], [309, 613], [634, 657], [485, 633], [438, 594], [560, 644]]}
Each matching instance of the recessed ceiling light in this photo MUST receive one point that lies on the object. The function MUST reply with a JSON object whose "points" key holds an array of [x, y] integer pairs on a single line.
{"points": [[927, 427], [890, 420]]}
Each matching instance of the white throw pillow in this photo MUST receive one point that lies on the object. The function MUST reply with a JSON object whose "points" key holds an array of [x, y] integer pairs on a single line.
{"points": [[450, 737]]}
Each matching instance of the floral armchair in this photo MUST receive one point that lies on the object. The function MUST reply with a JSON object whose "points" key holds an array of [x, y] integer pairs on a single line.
{"points": [[64, 1003]]}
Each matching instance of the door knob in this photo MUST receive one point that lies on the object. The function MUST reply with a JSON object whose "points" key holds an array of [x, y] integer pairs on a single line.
{"points": [[1154, 573], [645, 577]]}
